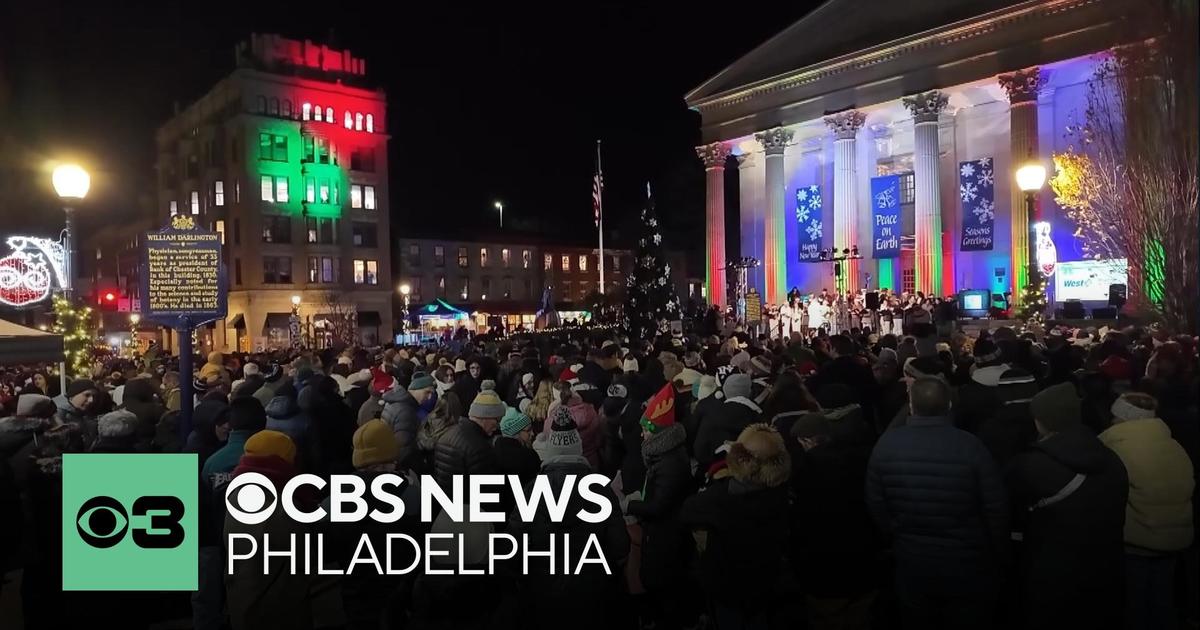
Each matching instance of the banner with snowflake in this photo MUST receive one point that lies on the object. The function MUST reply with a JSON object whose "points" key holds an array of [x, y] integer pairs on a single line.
{"points": [[976, 190], [885, 216], [809, 216]]}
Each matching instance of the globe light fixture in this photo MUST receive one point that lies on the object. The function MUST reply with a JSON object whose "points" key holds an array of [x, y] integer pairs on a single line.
{"points": [[1031, 176], [71, 181]]}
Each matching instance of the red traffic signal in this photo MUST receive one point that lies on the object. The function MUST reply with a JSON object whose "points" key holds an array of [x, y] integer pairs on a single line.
{"points": [[110, 297]]}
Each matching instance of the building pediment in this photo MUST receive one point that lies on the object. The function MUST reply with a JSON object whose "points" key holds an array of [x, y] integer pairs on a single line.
{"points": [[852, 53]]}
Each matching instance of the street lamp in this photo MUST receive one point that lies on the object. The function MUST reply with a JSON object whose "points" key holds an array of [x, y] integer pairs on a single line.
{"points": [[71, 182], [499, 205], [1030, 177], [294, 323], [405, 290]]}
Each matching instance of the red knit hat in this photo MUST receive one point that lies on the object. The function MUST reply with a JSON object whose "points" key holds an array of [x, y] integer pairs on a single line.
{"points": [[660, 410], [567, 375]]}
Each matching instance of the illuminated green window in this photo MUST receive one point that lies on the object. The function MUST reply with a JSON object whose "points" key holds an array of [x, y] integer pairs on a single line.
{"points": [[309, 150], [272, 147]]}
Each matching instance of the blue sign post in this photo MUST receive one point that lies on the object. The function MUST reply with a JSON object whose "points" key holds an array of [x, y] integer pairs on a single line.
{"points": [[183, 286]]}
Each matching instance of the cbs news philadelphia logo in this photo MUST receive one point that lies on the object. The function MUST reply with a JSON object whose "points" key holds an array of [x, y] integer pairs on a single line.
{"points": [[129, 522]]}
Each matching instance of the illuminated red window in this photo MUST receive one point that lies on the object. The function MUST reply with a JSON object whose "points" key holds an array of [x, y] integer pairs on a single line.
{"points": [[370, 123], [306, 111]]}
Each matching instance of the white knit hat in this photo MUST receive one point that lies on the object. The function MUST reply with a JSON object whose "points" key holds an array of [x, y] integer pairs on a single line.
{"points": [[629, 365]]}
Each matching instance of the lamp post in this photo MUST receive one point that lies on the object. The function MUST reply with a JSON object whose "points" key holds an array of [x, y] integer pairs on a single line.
{"points": [[71, 183], [294, 323], [499, 205], [405, 290], [1030, 178]]}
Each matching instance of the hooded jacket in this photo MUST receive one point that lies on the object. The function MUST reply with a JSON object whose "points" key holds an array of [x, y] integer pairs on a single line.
{"points": [[722, 424], [284, 415], [1158, 515], [1072, 491], [463, 450], [745, 520]]}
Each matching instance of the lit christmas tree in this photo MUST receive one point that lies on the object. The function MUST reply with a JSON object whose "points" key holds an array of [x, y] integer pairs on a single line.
{"points": [[1032, 307], [73, 323], [650, 300]]}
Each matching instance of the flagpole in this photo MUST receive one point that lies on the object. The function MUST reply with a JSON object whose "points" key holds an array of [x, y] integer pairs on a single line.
{"points": [[600, 219]]}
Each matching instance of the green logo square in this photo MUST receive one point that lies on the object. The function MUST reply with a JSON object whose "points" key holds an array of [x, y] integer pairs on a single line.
{"points": [[129, 522]]}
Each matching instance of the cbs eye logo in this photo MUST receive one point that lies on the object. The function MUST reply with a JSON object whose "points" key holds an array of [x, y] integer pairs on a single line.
{"points": [[251, 498], [102, 522]]}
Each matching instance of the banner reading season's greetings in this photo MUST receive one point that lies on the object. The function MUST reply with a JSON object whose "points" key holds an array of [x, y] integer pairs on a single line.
{"points": [[885, 217], [808, 215], [976, 189]]}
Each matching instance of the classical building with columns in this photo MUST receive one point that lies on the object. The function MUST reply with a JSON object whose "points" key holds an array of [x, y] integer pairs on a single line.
{"points": [[947, 96]]}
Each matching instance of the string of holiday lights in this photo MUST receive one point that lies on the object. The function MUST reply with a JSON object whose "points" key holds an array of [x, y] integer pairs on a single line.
{"points": [[73, 323]]}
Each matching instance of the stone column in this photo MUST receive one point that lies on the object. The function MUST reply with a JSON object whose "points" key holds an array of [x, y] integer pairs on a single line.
{"points": [[774, 263], [713, 155], [1022, 87], [927, 213], [845, 126], [751, 217]]}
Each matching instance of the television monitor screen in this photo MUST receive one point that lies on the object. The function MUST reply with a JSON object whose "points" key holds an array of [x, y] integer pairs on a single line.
{"points": [[974, 303]]}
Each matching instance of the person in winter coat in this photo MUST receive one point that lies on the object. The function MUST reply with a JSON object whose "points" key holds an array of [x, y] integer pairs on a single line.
{"points": [[277, 597], [445, 416], [76, 407], [539, 405], [744, 526], [513, 448], [404, 410], [666, 544], [330, 429], [1007, 428], [284, 415], [708, 398], [835, 549], [467, 381], [210, 429], [272, 381], [584, 414], [245, 418], [367, 597], [725, 423], [466, 449], [584, 597], [141, 398], [382, 382], [215, 367], [1158, 515], [848, 368], [1073, 492], [359, 390], [935, 490]]}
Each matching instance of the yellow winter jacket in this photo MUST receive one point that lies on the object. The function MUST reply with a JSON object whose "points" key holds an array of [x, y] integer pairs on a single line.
{"points": [[1158, 515]]}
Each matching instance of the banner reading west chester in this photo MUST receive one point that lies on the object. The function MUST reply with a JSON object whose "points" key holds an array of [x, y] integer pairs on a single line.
{"points": [[885, 216], [808, 215], [976, 189]]}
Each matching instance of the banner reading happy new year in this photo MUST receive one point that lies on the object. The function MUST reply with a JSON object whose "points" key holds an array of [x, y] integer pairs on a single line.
{"points": [[976, 190], [808, 215]]}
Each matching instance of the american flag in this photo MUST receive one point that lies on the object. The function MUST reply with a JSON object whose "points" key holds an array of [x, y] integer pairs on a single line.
{"points": [[597, 191]]}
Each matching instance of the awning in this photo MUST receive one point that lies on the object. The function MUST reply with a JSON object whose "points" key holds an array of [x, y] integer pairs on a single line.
{"points": [[439, 308], [277, 320], [238, 321], [369, 318], [19, 344]]}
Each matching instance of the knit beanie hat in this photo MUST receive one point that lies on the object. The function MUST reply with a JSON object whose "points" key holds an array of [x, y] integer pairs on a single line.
{"points": [[420, 380], [760, 365], [28, 403], [629, 365], [78, 386], [1133, 406], [250, 369], [199, 386], [116, 424], [374, 443], [268, 442], [706, 386], [887, 355], [513, 422], [564, 435], [381, 381], [741, 361], [1057, 408], [487, 404], [691, 359], [460, 366], [737, 385]]}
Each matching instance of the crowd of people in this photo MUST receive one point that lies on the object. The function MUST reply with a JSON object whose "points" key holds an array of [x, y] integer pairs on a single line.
{"points": [[883, 311], [834, 480]]}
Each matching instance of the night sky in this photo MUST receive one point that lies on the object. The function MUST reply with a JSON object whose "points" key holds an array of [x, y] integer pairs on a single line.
{"points": [[496, 102]]}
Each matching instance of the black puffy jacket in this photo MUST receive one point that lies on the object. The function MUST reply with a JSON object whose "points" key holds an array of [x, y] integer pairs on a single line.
{"points": [[463, 450], [723, 423], [935, 489]]}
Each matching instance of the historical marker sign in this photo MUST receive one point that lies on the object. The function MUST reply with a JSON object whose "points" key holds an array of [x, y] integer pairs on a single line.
{"points": [[183, 280], [753, 306]]}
